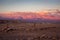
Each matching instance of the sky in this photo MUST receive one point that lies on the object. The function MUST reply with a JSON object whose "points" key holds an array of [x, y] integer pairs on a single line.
{"points": [[28, 5]]}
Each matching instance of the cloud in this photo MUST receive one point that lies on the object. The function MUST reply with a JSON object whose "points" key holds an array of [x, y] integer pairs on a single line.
{"points": [[32, 15]]}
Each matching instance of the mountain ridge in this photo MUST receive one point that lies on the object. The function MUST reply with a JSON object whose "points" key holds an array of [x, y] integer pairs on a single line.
{"points": [[50, 16]]}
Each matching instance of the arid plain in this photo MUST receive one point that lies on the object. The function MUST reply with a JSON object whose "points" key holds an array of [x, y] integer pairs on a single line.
{"points": [[17, 30]]}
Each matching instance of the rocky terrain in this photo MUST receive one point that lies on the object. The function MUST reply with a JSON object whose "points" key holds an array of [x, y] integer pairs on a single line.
{"points": [[16, 30]]}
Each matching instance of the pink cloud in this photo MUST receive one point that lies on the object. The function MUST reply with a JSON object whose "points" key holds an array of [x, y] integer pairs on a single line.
{"points": [[30, 15]]}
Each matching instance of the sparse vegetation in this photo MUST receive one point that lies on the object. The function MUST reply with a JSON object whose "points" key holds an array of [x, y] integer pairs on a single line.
{"points": [[16, 30]]}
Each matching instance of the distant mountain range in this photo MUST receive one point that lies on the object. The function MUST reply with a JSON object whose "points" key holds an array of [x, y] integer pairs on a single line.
{"points": [[42, 16]]}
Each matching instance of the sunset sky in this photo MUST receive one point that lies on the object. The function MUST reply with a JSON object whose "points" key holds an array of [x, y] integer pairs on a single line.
{"points": [[28, 5]]}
